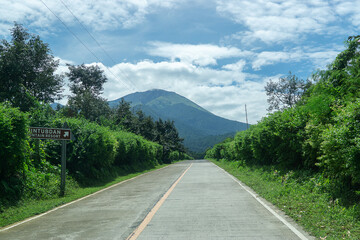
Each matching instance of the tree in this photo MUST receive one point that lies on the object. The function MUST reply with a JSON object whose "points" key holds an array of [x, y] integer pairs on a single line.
{"points": [[168, 136], [146, 126], [124, 117], [27, 70], [86, 85], [343, 74], [286, 92]]}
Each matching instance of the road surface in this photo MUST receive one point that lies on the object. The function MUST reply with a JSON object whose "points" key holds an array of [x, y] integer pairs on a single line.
{"points": [[187, 200]]}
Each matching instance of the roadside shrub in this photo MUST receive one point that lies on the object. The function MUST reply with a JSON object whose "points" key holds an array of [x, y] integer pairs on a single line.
{"points": [[91, 154], [264, 141], [215, 152], [42, 183], [13, 148], [290, 129], [97, 149], [41, 116], [135, 152], [184, 156], [174, 156], [341, 145], [229, 151], [277, 139], [243, 146], [226, 150]]}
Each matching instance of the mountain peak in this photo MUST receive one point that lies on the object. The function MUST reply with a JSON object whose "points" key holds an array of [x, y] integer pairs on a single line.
{"points": [[156, 97], [159, 90], [193, 122]]}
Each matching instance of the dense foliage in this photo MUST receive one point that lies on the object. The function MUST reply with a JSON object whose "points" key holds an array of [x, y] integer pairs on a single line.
{"points": [[162, 132], [13, 145], [286, 92], [319, 133], [86, 85], [27, 71]]}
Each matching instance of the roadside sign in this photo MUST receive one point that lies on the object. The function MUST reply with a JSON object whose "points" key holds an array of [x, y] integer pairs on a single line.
{"points": [[62, 134], [50, 133]]}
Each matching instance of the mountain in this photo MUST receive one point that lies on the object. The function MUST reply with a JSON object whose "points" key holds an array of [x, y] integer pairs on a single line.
{"points": [[200, 128], [56, 105]]}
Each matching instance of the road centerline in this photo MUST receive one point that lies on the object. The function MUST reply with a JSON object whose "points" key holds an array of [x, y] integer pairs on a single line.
{"points": [[134, 235]]}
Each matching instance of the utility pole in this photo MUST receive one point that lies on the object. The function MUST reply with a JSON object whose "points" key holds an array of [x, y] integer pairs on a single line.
{"points": [[247, 123]]}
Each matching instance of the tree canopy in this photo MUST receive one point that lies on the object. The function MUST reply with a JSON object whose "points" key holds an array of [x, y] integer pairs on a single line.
{"points": [[27, 70], [86, 85], [286, 92]]}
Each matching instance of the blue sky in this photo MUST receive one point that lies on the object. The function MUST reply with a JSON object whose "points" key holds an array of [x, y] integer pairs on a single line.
{"points": [[218, 53]]}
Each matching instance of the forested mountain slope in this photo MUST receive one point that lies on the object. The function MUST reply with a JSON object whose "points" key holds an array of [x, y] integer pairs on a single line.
{"points": [[199, 127]]}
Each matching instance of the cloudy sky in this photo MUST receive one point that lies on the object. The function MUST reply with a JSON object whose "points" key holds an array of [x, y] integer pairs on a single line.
{"points": [[218, 53]]}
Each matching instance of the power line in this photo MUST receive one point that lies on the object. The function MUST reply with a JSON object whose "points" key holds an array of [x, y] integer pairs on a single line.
{"points": [[83, 44], [106, 53]]}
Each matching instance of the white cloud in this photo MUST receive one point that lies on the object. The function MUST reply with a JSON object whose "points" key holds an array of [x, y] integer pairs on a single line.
{"points": [[278, 21], [350, 10], [223, 92], [320, 57], [99, 15], [202, 54], [62, 69], [269, 58], [238, 66]]}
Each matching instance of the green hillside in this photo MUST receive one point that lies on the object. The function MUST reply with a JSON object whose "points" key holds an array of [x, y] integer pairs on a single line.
{"points": [[199, 128]]}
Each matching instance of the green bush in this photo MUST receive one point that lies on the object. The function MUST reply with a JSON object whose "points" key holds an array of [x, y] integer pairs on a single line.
{"points": [[226, 149], [289, 130], [42, 183], [97, 149], [243, 146], [91, 154], [174, 156], [13, 148], [277, 139], [341, 145], [215, 152], [135, 153], [184, 156], [264, 141]]}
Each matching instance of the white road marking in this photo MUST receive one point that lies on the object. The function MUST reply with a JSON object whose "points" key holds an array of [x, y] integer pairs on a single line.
{"points": [[291, 227], [77, 200]]}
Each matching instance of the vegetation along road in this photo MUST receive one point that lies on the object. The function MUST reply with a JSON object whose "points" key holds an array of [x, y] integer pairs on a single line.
{"points": [[187, 200]]}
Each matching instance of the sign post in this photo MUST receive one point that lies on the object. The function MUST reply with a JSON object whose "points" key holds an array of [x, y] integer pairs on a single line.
{"points": [[63, 134], [63, 161], [63, 168]]}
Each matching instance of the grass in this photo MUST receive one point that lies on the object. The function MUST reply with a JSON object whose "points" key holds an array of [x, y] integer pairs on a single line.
{"points": [[26, 208], [304, 196]]}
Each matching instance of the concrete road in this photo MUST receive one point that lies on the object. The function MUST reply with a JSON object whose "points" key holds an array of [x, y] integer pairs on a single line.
{"points": [[205, 203]]}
